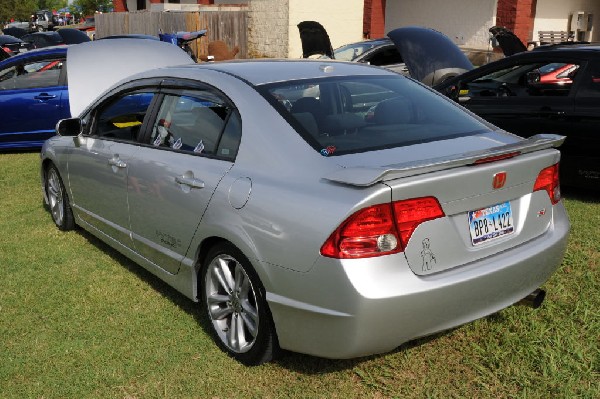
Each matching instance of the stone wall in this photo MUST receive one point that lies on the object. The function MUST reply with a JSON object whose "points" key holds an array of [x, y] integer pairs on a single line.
{"points": [[268, 33]]}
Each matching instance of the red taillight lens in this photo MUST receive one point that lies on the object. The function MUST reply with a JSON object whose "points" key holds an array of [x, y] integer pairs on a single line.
{"points": [[548, 180], [380, 229], [410, 213]]}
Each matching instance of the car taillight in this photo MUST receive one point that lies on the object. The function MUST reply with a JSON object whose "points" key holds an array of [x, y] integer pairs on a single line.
{"points": [[548, 180], [380, 229]]}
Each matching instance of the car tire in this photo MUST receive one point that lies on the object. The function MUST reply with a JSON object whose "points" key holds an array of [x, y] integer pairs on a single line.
{"points": [[58, 200], [233, 302]]}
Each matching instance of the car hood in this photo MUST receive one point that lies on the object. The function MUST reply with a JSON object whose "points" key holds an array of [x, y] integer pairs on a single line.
{"points": [[95, 66], [431, 57], [73, 36], [507, 40], [315, 39]]}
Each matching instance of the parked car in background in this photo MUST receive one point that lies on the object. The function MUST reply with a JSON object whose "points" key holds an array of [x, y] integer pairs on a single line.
{"points": [[33, 97], [12, 45], [422, 53], [261, 190], [552, 89], [55, 38], [377, 52], [44, 20]]}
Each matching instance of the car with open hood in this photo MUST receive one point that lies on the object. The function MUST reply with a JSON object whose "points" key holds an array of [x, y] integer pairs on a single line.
{"points": [[551, 89], [329, 208], [422, 53]]}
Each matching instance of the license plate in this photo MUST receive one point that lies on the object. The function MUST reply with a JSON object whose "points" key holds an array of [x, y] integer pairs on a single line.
{"points": [[490, 223]]}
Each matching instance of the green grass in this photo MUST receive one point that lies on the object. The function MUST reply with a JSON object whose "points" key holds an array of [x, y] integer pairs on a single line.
{"points": [[78, 320]]}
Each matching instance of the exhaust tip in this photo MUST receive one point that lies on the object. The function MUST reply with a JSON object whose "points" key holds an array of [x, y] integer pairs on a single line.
{"points": [[534, 300]]}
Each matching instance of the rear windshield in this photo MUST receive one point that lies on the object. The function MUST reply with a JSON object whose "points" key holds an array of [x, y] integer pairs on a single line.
{"points": [[338, 116]]}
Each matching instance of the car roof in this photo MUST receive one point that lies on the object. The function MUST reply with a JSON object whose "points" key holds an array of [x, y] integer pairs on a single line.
{"points": [[585, 47], [260, 72], [55, 50]]}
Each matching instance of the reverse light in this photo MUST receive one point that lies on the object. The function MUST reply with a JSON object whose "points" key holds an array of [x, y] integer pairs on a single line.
{"points": [[380, 229], [548, 180]]}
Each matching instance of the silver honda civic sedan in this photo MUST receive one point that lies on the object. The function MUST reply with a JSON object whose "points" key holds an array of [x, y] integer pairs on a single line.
{"points": [[322, 207]]}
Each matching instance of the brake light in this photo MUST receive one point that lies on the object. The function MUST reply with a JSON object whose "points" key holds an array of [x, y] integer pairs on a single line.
{"points": [[548, 180], [380, 229], [495, 158]]}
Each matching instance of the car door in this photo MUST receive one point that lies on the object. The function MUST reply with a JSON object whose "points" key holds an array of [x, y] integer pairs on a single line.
{"points": [[99, 165], [191, 145], [33, 97], [582, 147], [525, 97]]}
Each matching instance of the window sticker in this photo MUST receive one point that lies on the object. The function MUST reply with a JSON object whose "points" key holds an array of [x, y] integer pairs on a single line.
{"points": [[199, 148], [177, 144], [328, 150]]}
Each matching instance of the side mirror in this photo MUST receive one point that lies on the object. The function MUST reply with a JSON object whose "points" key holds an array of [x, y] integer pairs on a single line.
{"points": [[69, 127], [533, 77], [453, 91]]}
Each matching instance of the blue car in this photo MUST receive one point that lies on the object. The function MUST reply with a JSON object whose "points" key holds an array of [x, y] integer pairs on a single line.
{"points": [[33, 97]]}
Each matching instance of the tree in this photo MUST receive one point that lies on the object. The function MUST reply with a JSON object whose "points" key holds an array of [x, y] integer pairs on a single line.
{"points": [[89, 7], [52, 4], [19, 10]]}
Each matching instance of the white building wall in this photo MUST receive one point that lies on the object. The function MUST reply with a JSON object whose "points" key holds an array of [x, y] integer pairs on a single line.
{"points": [[554, 15], [343, 20], [268, 33], [466, 22]]}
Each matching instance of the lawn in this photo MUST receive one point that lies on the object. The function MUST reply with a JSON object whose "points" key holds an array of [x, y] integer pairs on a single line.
{"points": [[78, 320]]}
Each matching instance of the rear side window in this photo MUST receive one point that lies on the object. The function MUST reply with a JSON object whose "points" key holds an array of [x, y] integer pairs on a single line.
{"points": [[32, 75], [200, 122], [356, 114]]}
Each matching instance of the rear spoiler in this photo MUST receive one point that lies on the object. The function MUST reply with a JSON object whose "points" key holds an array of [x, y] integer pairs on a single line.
{"points": [[367, 176]]}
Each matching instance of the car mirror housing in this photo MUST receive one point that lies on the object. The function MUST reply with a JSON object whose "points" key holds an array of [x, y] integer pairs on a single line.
{"points": [[69, 127], [533, 77]]}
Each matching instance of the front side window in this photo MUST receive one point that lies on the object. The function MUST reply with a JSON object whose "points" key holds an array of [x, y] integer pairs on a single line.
{"points": [[524, 80], [122, 118], [364, 113], [38, 74], [590, 85], [198, 123]]}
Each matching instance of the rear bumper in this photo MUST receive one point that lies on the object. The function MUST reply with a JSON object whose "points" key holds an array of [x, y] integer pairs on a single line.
{"points": [[355, 308]]}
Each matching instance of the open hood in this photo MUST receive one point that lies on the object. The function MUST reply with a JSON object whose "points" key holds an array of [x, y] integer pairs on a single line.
{"points": [[315, 39], [507, 40], [95, 66], [431, 57]]}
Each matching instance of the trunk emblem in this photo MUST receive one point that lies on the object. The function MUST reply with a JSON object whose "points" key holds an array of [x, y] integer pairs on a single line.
{"points": [[499, 180]]}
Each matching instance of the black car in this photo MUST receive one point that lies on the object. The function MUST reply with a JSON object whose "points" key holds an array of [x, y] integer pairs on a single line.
{"points": [[56, 38], [554, 89], [12, 45]]}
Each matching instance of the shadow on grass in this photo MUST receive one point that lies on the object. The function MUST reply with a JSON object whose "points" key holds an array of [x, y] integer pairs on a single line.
{"points": [[301, 363], [581, 194], [156, 283]]}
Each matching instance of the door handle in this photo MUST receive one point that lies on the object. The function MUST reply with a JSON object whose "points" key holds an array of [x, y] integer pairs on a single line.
{"points": [[44, 97], [547, 111], [190, 181], [115, 161]]}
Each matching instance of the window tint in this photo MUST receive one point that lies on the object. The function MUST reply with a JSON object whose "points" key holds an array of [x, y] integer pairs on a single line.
{"points": [[385, 56], [31, 75], [198, 124], [524, 80], [590, 86], [361, 113], [122, 118]]}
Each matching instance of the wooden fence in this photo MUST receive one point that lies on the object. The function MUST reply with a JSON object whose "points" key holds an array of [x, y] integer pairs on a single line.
{"points": [[229, 26]]}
